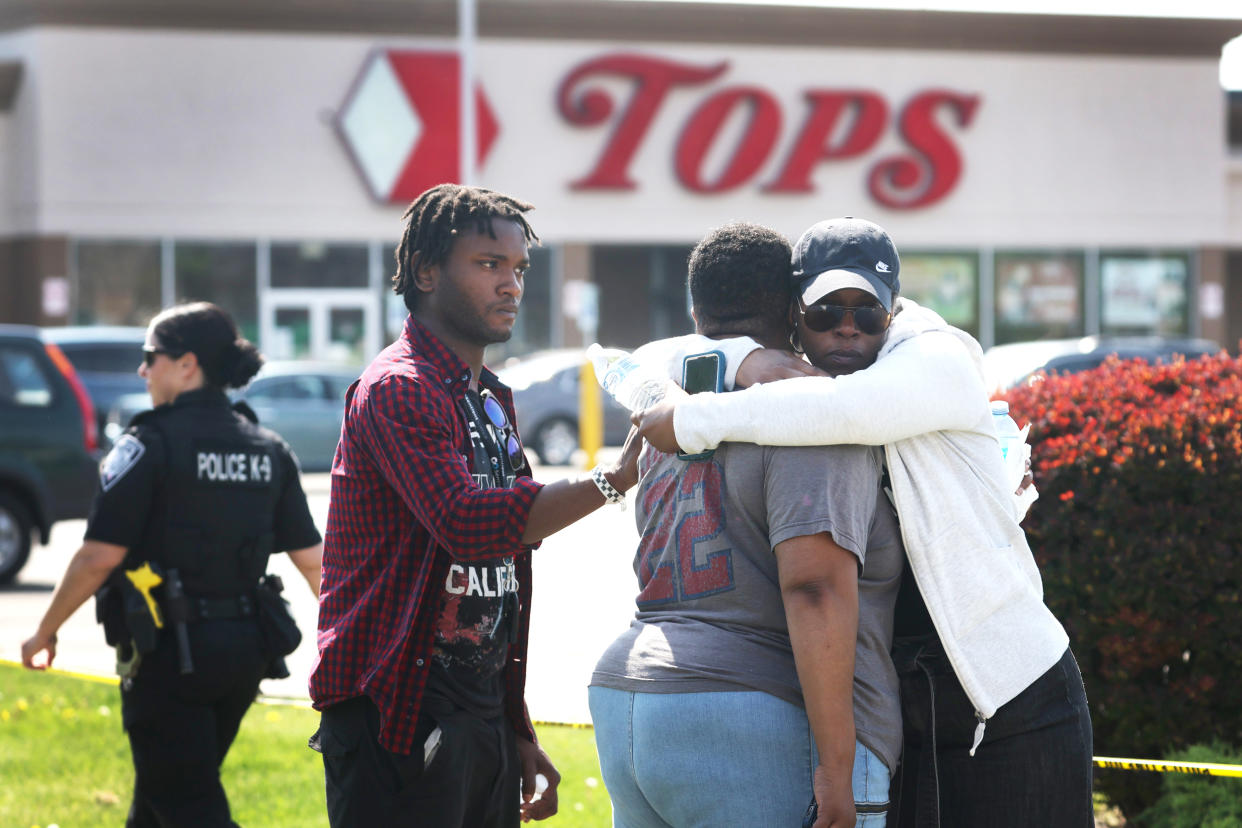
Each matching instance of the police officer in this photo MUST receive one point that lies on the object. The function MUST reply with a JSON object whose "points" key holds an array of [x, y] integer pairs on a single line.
{"points": [[192, 500]]}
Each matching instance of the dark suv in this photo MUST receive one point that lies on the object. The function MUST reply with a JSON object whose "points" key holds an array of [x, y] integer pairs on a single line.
{"points": [[49, 442]]}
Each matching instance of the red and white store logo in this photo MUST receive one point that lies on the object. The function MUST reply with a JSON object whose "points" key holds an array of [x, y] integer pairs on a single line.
{"points": [[402, 125], [837, 124]]}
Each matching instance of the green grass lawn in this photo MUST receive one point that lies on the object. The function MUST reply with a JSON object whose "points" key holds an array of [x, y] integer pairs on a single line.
{"points": [[65, 761]]}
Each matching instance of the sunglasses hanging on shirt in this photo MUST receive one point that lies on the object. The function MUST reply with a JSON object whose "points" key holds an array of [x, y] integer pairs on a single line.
{"points": [[494, 429], [500, 421]]}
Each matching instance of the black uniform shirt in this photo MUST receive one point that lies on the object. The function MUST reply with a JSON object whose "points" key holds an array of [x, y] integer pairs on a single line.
{"points": [[133, 471]]}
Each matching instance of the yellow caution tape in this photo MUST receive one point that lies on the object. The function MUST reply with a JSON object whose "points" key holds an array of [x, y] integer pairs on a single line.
{"points": [[57, 672], [1197, 768], [571, 725], [283, 701]]}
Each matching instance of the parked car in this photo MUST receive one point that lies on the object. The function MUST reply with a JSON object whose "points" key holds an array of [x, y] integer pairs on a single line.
{"points": [[1008, 365], [106, 358], [545, 394], [48, 443], [303, 402]]}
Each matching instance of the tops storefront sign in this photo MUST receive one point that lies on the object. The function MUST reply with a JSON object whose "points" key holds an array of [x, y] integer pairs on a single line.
{"points": [[400, 123], [837, 124]]}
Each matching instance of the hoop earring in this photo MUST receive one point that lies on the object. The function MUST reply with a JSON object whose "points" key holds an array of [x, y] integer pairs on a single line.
{"points": [[793, 341]]}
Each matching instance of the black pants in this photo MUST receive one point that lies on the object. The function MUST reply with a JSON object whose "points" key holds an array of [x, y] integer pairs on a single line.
{"points": [[181, 726], [472, 781], [1032, 770]]}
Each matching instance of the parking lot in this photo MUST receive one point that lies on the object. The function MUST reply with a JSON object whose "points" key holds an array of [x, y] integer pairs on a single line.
{"points": [[584, 589]]}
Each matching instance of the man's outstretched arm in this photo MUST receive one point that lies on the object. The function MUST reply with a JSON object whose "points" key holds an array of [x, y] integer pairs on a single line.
{"points": [[564, 502]]}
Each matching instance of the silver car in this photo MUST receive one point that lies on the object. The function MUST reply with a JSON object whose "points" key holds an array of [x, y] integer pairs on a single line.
{"points": [[1005, 366], [545, 394], [303, 402]]}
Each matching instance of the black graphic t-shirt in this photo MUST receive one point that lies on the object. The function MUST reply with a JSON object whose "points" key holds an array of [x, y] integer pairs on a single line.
{"points": [[478, 604]]}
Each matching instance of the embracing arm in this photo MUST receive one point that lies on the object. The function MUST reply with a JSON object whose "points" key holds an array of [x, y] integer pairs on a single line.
{"points": [[563, 502], [819, 587], [926, 384], [405, 432], [667, 354]]}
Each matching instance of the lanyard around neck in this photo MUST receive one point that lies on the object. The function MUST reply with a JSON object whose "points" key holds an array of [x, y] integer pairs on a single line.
{"points": [[501, 470]]}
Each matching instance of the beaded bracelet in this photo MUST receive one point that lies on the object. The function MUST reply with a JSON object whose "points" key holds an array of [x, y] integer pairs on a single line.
{"points": [[605, 488]]}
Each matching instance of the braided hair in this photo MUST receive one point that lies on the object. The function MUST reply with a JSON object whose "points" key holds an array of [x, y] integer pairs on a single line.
{"points": [[432, 222]]}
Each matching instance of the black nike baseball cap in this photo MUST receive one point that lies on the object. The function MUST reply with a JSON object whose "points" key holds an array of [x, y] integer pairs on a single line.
{"points": [[846, 253]]}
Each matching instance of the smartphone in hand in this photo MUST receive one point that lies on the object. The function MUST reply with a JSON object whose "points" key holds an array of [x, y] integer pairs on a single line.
{"points": [[811, 815], [699, 373]]}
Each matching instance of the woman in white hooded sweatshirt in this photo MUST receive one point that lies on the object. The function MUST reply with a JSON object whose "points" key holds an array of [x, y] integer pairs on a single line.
{"points": [[996, 726]]}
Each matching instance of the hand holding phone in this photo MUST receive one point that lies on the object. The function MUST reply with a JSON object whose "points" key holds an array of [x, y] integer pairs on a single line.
{"points": [[811, 815], [699, 373]]}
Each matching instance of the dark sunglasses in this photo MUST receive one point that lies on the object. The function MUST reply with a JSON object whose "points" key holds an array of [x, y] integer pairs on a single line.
{"points": [[500, 421], [870, 319], [149, 355]]}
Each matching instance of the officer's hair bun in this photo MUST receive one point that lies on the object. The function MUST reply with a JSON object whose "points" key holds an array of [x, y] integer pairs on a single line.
{"points": [[227, 360], [246, 362]]}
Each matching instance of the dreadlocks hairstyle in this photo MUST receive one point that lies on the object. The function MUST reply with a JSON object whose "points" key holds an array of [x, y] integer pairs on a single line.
{"points": [[739, 280], [432, 222]]}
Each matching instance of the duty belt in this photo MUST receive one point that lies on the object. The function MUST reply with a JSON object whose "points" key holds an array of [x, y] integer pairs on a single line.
{"points": [[219, 609]]}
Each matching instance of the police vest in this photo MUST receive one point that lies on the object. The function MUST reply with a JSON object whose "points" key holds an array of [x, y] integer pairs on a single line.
{"points": [[214, 512]]}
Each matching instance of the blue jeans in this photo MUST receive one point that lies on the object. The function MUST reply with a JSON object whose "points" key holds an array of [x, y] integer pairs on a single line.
{"points": [[677, 760], [1032, 770]]}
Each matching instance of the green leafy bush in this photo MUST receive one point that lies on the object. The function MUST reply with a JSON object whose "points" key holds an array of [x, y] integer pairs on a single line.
{"points": [[1199, 801], [1138, 533]]}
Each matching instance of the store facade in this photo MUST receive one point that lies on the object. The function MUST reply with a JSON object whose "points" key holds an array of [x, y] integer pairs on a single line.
{"points": [[1053, 178]]}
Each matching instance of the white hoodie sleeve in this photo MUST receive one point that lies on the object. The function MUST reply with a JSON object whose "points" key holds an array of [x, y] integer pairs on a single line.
{"points": [[666, 355], [927, 383]]}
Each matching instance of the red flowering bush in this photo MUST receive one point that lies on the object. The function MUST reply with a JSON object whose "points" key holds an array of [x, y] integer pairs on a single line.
{"points": [[1138, 533]]}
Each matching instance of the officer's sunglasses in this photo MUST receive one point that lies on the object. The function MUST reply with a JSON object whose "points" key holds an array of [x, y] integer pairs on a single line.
{"points": [[500, 421], [149, 355], [821, 317]]}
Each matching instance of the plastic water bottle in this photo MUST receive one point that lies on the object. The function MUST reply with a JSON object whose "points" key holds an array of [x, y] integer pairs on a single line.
{"points": [[629, 382], [1012, 443]]}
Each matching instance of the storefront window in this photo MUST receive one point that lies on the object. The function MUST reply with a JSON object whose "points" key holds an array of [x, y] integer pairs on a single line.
{"points": [[1144, 294], [292, 332], [347, 334], [642, 292], [223, 274], [1038, 296], [395, 313], [392, 305], [118, 282], [948, 283], [319, 265]]}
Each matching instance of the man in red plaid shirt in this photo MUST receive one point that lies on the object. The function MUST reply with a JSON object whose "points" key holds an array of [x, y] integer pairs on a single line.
{"points": [[425, 601]]}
